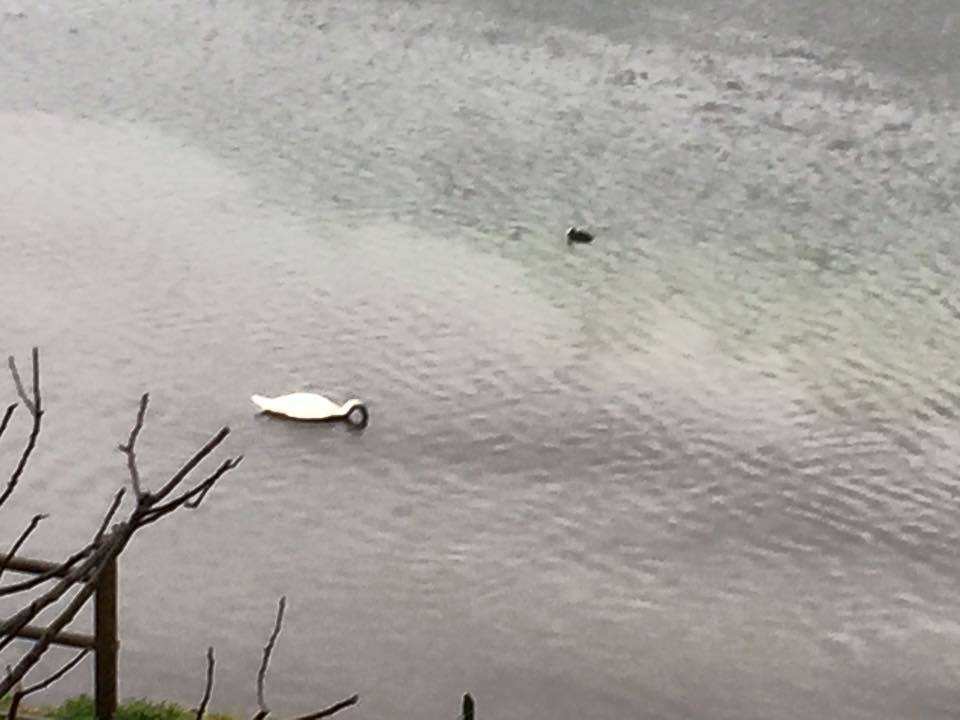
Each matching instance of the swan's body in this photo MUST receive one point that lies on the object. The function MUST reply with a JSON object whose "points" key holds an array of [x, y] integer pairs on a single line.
{"points": [[309, 406], [577, 235]]}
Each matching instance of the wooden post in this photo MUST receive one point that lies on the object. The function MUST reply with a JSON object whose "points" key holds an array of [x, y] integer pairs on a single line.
{"points": [[106, 643], [467, 713]]}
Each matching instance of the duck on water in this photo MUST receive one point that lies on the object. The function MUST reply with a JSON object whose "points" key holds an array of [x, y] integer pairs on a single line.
{"points": [[579, 235], [310, 407]]}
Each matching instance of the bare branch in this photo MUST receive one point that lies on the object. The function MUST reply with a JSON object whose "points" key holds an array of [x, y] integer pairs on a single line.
{"points": [[109, 551], [225, 467], [199, 455], [73, 582], [21, 391], [327, 712], [130, 449], [89, 568], [35, 410], [12, 710], [191, 498], [265, 662], [21, 540], [117, 499], [35, 356], [19, 695], [66, 565], [208, 688], [6, 418], [55, 572], [24, 457]]}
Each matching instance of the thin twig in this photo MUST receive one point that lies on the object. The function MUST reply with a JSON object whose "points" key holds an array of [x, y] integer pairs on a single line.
{"points": [[35, 356], [93, 564], [130, 449], [6, 418], [182, 473], [47, 682], [226, 466], [64, 567], [191, 498], [21, 391], [78, 575], [20, 541], [106, 553], [35, 410], [327, 712], [50, 574], [117, 499], [208, 688], [19, 695], [265, 662], [24, 457]]}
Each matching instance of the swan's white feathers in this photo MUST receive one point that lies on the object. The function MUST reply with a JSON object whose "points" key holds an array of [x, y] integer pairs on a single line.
{"points": [[302, 406]]}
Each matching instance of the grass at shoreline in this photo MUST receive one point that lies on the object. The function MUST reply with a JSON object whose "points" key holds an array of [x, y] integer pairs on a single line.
{"points": [[81, 708]]}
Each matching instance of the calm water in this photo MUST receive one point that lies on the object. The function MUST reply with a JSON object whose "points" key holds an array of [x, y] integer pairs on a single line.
{"points": [[704, 468]]}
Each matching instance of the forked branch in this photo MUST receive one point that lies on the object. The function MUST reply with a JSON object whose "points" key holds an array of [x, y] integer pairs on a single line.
{"points": [[36, 410], [76, 577], [73, 581], [19, 694], [130, 450]]}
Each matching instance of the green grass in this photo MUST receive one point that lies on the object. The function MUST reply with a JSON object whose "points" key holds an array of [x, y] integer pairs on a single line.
{"points": [[81, 708]]}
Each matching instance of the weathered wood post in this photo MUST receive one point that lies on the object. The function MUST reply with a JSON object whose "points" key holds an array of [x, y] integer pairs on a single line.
{"points": [[106, 643], [467, 713]]}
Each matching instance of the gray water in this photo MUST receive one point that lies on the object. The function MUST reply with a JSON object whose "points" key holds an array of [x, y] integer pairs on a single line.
{"points": [[703, 468]]}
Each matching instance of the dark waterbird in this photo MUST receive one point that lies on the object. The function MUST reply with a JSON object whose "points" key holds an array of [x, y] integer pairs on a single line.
{"points": [[578, 235]]}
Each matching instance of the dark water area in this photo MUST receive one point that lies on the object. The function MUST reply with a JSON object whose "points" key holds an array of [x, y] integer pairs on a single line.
{"points": [[914, 41], [702, 468]]}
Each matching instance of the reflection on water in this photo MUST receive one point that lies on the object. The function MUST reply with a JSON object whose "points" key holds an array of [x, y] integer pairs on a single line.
{"points": [[700, 468]]}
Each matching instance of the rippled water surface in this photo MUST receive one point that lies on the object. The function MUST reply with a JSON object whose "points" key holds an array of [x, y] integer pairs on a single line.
{"points": [[703, 468]]}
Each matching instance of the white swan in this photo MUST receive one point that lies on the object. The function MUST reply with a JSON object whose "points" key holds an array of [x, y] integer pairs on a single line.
{"points": [[309, 406]]}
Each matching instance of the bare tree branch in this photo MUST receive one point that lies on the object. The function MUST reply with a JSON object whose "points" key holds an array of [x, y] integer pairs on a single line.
{"points": [[55, 572], [20, 541], [208, 688], [191, 498], [35, 410], [264, 711], [13, 625], [66, 565], [225, 467], [117, 499], [182, 473], [19, 695], [110, 550], [77, 577], [327, 712], [265, 662], [12, 711], [21, 391], [130, 449], [6, 418]]}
